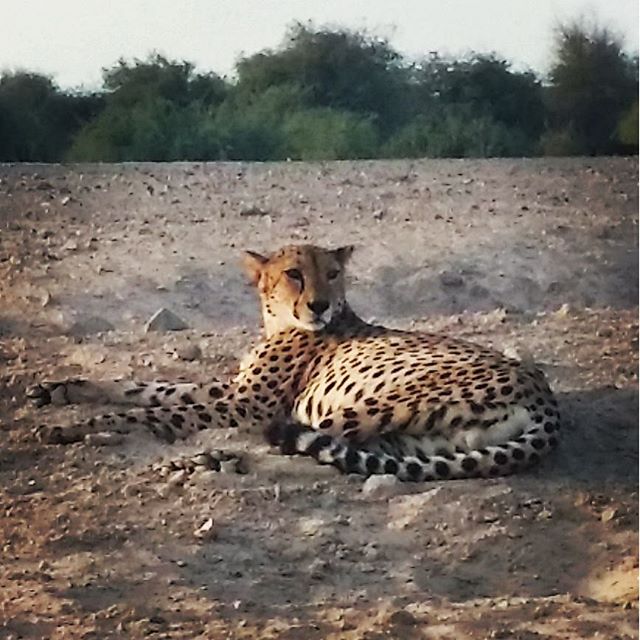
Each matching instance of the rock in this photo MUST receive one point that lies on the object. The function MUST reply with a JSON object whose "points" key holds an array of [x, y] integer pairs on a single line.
{"points": [[252, 210], [608, 514], [187, 352], [382, 485], [90, 325], [402, 618], [176, 479], [206, 530], [310, 526], [70, 245], [165, 320]]}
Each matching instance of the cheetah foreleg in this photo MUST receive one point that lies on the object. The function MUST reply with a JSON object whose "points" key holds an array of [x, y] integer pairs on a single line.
{"points": [[124, 392], [166, 423]]}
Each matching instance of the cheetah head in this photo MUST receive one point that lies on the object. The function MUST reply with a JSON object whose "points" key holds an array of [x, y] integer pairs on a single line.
{"points": [[300, 286]]}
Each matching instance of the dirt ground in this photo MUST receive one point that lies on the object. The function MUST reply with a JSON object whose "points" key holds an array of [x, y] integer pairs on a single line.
{"points": [[532, 256]]}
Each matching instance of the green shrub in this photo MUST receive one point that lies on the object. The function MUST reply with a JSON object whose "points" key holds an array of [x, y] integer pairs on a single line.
{"points": [[327, 134]]}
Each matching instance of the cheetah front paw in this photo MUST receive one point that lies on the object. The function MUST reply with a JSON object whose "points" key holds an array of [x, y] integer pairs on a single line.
{"points": [[46, 393], [48, 434]]}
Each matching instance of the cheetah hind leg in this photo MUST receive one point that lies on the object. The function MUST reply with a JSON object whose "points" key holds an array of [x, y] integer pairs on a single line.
{"points": [[168, 424]]}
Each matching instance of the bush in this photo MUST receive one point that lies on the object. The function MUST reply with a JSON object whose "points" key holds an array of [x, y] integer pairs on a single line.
{"points": [[456, 134], [327, 134]]}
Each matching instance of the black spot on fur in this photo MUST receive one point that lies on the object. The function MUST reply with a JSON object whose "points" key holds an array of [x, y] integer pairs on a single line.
{"points": [[469, 464], [372, 464], [215, 392], [518, 454], [177, 419], [500, 458], [133, 392], [351, 460], [391, 467], [538, 443], [442, 469], [318, 444], [414, 470], [187, 399]]}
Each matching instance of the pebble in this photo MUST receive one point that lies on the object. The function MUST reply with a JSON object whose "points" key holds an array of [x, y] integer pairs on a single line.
{"points": [[403, 618], [382, 485], [206, 530], [176, 479]]}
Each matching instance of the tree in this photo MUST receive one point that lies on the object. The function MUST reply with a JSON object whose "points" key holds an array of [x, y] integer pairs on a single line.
{"points": [[37, 120], [593, 82], [157, 110], [339, 69], [485, 89]]}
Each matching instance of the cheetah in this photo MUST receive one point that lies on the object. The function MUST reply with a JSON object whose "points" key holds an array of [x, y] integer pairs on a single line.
{"points": [[326, 384]]}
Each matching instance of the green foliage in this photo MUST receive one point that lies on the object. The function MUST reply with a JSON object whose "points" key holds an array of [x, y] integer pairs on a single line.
{"points": [[37, 121], [333, 94], [593, 83], [628, 127], [485, 89], [251, 125], [328, 134], [456, 132], [339, 69], [156, 110]]}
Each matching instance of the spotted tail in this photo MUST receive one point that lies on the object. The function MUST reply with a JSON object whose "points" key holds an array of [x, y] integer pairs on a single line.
{"points": [[491, 461]]}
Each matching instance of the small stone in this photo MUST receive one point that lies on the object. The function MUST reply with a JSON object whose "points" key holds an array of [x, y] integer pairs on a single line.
{"points": [[378, 214], [608, 514], [311, 526], [70, 245], [206, 530], [176, 479], [188, 352], [165, 320], [379, 486], [252, 210], [402, 618]]}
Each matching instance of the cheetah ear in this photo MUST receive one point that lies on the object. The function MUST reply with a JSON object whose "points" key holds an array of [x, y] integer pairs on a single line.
{"points": [[253, 265], [344, 253]]}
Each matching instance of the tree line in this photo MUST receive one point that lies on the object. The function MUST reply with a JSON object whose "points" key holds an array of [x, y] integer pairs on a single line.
{"points": [[333, 94]]}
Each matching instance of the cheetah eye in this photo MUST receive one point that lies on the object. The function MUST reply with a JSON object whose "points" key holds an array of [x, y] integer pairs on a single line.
{"points": [[333, 274], [294, 274]]}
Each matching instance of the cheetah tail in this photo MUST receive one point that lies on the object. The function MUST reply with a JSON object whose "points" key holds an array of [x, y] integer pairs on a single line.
{"points": [[491, 461]]}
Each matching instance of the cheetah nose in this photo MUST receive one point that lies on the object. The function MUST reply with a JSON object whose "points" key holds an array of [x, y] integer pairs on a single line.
{"points": [[318, 306]]}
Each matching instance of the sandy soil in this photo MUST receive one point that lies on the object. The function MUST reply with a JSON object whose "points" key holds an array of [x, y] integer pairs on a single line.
{"points": [[535, 256]]}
